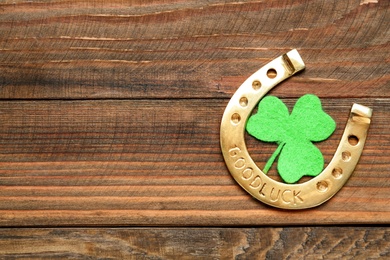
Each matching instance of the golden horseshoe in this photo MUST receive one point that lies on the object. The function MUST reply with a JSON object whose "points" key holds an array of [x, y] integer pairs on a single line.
{"points": [[244, 170]]}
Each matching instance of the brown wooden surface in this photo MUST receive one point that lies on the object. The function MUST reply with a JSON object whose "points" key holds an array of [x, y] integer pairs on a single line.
{"points": [[197, 243], [158, 162], [189, 49], [110, 114]]}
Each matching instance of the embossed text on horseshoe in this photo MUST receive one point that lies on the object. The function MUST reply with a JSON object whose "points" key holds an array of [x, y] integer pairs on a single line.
{"points": [[258, 184]]}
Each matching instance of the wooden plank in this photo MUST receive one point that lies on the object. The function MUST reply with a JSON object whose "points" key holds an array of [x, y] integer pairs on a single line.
{"points": [[189, 49], [158, 162], [195, 243]]}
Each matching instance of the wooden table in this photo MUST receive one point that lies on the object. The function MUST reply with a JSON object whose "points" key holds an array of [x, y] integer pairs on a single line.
{"points": [[110, 114]]}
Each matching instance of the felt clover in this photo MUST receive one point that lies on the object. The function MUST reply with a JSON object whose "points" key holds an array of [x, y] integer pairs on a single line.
{"points": [[294, 134]]}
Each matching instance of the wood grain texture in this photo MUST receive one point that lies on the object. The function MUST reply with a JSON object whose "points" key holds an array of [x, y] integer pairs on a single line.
{"points": [[158, 162], [110, 110], [187, 49], [197, 243]]}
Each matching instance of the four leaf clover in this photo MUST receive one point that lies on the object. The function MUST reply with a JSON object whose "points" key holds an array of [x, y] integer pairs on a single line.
{"points": [[294, 134]]}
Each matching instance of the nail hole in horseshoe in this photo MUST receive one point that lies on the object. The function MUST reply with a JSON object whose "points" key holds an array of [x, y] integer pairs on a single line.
{"points": [[236, 118], [243, 101], [256, 84], [271, 73], [353, 140], [337, 172], [346, 156], [322, 186]]}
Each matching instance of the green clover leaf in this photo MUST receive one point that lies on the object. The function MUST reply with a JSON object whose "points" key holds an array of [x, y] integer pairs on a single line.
{"points": [[294, 134]]}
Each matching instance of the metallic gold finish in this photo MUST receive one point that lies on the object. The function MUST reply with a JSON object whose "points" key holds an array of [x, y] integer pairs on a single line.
{"points": [[244, 170]]}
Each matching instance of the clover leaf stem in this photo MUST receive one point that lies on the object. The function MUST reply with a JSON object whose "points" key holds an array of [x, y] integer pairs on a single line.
{"points": [[271, 160]]}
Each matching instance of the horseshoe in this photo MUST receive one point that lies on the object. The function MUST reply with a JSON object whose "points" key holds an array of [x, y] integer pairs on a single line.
{"points": [[244, 170]]}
